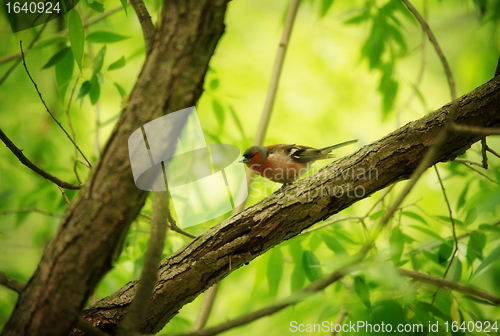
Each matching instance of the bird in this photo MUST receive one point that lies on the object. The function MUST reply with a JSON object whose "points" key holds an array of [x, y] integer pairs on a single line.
{"points": [[285, 163]]}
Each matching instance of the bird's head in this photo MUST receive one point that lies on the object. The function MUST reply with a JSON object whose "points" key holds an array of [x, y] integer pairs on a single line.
{"points": [[254, 155]]}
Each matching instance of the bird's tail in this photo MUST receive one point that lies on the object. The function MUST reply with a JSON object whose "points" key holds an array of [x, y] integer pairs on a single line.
{"points": [[326, 151]]}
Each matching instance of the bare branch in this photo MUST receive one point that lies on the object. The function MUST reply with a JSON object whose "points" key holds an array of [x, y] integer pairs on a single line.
{"points": [[172, 225], [480, 173], [40, 95], [483, 153], [11, 283], [43, 212], [477, 163], [482, 131], [24, 160], [455, 239], [451, 285], [492, 152]]}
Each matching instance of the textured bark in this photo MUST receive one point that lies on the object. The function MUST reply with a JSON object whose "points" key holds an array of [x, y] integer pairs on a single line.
{"points": [[241, 238], [96, 222]]}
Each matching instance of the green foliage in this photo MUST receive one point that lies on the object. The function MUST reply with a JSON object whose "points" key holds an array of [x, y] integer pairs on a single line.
{"points": [[76, 36], [105, 37]]}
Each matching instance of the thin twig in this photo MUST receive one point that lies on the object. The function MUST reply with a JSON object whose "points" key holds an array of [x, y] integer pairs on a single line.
{"points": [[353, 218], [24, 160], [492, 152], [479, 172], [172, 225], [71, 127], [477, 163], [483, 153], [455, 239], [11, 283], [482, 131], [449, 284], [148, 29], [43, 212], [40, 95], [64, 194]]}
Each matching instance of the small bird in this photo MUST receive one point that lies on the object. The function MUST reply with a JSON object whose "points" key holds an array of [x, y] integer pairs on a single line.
{"points": [[285, 163]]}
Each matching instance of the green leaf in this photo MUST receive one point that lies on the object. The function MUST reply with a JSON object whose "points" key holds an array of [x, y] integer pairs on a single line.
{"points": [[95, 90], [98, 61], [444, 252], [471, 216], [118, 64], [477, 242], [214, 84], [462, 197], [455, 272], [430, 256], [237, 122], [120, 90], [274, 270], [64, 72], [414, 262], [414, 216], [57, 57], [396, 244], [333, 244], [311, 266], [325, 6], [433, 310], [124, 4], [84, 89], [364, 16], [429, 232], [219, 112], [97, 6], [377, 214], [76, 36], [361, 289], [49, 41], [105, 37], [298, 278], [489, 227], [494, 255]]}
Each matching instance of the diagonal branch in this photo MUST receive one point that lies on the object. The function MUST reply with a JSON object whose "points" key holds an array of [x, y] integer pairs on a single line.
{"points": [[43, 102], [24, 160], [243, 237]]}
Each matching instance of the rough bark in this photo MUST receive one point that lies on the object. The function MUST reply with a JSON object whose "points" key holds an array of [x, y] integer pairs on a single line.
{"points": [[241, 238], [96, 222]]}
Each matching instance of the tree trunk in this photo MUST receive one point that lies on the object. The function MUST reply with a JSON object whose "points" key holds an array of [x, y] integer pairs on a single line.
{"points": [[236, 241], [95, 223]]}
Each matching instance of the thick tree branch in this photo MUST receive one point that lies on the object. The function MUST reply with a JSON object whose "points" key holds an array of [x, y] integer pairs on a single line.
{"points": [[25, 161], [93, 226], [241, 238]]}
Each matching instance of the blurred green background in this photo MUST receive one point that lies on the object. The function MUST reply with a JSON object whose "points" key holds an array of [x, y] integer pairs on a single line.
{"points": [[353, 70]]}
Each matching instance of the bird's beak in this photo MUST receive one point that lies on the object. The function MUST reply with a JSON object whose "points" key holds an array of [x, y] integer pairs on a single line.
{"points": [[244, 160]]}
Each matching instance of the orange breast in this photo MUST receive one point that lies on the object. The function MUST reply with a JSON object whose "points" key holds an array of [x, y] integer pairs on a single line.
{"points": [[279, 168]]}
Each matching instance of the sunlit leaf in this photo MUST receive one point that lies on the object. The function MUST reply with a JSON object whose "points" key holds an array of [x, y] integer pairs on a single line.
{"points": [[427, 231], [76, 36], [84, 89], [361, 289], [325, 6], [471, 216], [462, 197], [120, 90], [414, 216], [49, 41], [396, 244], [105, 37], [333, 244], [444, 252], [214, 84], [118, 64], [274, 270], [124, 4], [492, 257], [64, 72], [99, 60], [95, 90], [57, 57], [378, 214], [97, 6], [311, 266], [219, 112]]}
